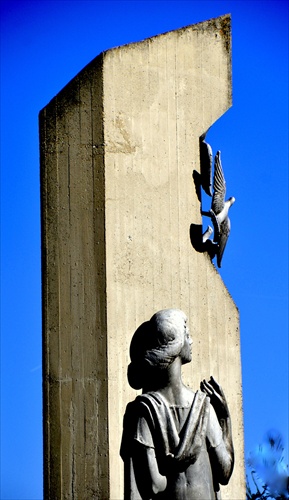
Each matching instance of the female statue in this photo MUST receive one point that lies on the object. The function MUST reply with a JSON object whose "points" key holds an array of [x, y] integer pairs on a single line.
{"points": [[176, 443]]}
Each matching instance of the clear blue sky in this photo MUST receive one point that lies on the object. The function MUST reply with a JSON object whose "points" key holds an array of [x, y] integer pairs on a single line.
{"points": [[44, 44]]}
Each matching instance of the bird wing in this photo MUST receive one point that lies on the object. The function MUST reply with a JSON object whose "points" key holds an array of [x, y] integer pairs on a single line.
{"points": [[206, 162], [218, 201], [224, 235]]}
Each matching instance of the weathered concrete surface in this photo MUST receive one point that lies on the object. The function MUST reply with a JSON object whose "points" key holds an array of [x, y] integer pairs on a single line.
{"points": [[118, 147]]}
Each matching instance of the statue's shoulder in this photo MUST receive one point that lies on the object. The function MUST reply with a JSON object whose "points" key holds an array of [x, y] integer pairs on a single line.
{"points": [[149, 397], [144, 399]]}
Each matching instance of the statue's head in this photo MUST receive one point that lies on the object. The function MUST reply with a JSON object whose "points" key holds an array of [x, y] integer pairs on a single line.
{"points": [[156, 344]]}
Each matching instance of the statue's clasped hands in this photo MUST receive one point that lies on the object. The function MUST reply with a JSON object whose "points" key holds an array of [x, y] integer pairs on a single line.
{"points": [[217, 397]]}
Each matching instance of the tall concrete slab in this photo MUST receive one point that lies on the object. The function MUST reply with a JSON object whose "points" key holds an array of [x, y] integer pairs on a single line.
{"points": [[118, 147]]}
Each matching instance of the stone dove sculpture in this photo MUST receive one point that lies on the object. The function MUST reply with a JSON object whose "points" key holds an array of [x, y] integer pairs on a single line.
{"points": [[207, 234], [219, 210]]}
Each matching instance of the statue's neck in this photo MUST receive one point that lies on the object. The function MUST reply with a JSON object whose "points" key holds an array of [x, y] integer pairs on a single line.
{"points": [[169, 384]]}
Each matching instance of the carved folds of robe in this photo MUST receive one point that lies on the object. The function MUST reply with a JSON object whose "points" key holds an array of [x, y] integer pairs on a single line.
{"points": [[181, 438]]}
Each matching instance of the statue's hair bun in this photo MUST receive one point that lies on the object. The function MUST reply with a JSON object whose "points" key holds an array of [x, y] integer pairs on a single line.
{"points": [[135, 376]]}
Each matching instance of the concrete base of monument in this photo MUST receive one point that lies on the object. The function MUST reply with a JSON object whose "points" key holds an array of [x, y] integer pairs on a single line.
{"points": [[119, 145]]}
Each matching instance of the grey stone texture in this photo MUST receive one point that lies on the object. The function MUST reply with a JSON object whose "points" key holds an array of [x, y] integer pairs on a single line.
{"points": [[118, 147]]}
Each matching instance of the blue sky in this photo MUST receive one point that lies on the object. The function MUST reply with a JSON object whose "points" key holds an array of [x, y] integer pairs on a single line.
{"points": [[45, 44]]}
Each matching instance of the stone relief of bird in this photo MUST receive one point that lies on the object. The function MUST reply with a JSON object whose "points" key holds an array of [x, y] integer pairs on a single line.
{"points": [[219, 210], [207, 234]]}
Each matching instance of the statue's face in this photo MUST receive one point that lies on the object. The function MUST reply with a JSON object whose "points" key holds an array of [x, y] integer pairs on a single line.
{"points": [[186, 352]]}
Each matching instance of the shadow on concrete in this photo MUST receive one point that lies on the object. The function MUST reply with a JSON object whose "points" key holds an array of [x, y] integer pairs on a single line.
{"points": [[198, 183], [196, 237], [196, 230]]}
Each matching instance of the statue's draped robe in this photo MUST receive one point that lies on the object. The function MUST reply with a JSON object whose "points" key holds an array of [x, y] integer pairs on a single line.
{"points": [[181, 437]]}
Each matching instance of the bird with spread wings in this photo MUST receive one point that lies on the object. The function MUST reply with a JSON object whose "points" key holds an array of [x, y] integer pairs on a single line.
{"points": [[219, 210]]}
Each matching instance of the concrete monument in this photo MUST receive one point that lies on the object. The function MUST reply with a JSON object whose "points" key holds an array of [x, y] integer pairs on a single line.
{"points": [[121, 239]]}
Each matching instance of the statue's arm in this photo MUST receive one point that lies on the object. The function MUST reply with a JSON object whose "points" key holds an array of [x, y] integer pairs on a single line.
{"points": [[222, 455], [148, 478]]}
